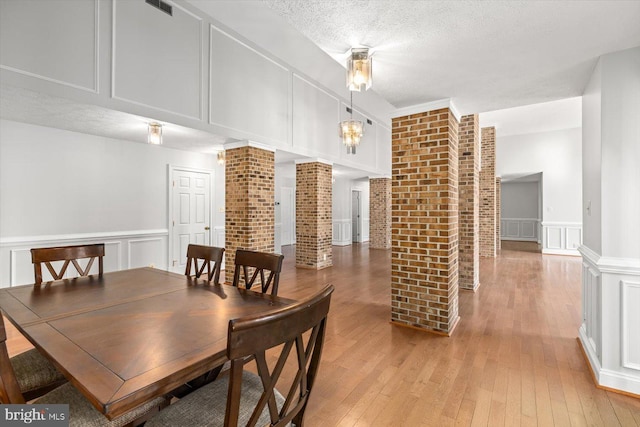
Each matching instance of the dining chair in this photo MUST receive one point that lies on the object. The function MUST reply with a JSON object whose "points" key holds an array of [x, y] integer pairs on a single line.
{"points": [[259, 262], [81, 411], [68, 254], [295, 336], [208, 255]]}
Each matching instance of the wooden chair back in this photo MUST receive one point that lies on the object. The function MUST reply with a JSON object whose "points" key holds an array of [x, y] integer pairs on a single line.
{"points": [[259, 262], [9, 388], [296, 335], [208, 255], [68, 254]]}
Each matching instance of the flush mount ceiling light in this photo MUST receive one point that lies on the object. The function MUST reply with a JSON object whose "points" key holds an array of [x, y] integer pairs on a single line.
{"points": [[359, 69], [351, 131], [221, 157], [155, 134]]}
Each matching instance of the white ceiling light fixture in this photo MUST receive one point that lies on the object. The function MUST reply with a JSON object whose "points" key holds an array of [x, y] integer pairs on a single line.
{"points": [[155, 134], [359, 75], [351, 131]]}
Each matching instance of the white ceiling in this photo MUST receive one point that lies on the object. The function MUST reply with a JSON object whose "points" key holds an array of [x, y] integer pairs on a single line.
{"points": [[484, 55]]}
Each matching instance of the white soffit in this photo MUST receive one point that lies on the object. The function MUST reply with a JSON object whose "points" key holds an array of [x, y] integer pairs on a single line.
{"points": [[543, 117]]}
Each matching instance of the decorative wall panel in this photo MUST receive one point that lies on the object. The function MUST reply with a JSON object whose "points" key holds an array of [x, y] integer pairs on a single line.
{"points": [[248, 91], [160, 67], [70, 58]]}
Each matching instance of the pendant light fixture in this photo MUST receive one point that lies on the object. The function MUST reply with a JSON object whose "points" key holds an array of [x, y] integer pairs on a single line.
{"points": [[351, 130], [359, 74], [154, 135], [359, 77]]}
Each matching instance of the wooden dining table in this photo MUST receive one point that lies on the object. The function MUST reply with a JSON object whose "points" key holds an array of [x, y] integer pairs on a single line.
{"points": [[132, 335]]}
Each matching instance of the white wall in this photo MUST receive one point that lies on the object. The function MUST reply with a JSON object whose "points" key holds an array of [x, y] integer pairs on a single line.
{"points": [[342, 207], [519, 199], [621, 154], [611, 265], [58, 186], [591, 168], [558, 156], [519, 216]]}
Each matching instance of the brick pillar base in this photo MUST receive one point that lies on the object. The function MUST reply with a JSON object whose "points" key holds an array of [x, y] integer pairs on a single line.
{"points": [[313, 215], [249, 202], [469, 202], [380, 213], [424, 224], [488, 194]]}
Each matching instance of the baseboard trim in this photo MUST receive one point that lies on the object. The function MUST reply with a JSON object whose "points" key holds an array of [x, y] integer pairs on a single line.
{"points": [[595, 376]]}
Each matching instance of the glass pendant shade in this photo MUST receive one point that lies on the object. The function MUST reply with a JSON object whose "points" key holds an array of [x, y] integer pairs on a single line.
{"points": [[155, 134], [221, 157], [351, 132], [359, 69]]}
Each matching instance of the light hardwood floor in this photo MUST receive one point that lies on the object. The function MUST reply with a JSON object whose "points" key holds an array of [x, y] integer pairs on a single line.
{"points": [[513, 360]]}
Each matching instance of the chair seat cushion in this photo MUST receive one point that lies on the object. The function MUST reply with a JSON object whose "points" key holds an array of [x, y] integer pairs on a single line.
{"points": [[83, 414], [207, 405], [34, 371]]}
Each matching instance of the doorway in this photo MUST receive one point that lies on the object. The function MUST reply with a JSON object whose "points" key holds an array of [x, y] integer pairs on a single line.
{"points": [[356, 214], [288, 214], [189, 212]]}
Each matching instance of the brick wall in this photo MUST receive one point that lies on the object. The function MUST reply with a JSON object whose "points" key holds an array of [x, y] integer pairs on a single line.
{"points": [[488, 194], [380, 213], [424, 221], [469, 202], [249, 203], [313, 215], [498, 212]]}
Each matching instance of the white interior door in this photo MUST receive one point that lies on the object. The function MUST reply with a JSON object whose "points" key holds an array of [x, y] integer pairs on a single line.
{"points": [[191, 214], [287, 205]]}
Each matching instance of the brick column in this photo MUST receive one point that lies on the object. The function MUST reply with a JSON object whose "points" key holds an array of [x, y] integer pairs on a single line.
{"points": [[488, 194], [249, 201], [313, 215], [498, 212], [424, 221], [380, 213], [469, 202]]}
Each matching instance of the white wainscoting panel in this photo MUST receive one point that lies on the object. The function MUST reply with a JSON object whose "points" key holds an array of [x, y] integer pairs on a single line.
{"points": [[123, 250], [611, 319], [218, 240], [341, 232], [561, 238], [630, 324], [591, 306], [146, 252], [521, 229], [365, 230]]}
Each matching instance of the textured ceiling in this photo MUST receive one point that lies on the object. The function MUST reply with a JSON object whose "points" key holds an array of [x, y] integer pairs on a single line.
{"points": [[484, 55]]}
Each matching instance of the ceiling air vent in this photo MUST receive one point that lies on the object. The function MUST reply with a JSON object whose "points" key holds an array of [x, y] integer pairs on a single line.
{"points": [[159, 4]]}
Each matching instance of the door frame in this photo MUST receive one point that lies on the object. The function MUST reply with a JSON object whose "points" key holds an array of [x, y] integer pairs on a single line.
{"points": [[170, 170]]}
